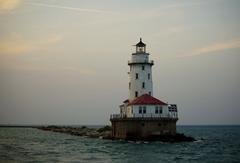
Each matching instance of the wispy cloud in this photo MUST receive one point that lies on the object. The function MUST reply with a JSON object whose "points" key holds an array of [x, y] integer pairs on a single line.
{"points": [[53, 39], [8, 5], [37, 67], [79, 70], [67, 8], [15, 44], [18, 44], [232, 44], [188, 4]]}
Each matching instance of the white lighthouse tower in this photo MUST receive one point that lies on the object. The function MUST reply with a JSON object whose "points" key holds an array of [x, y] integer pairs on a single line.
{"points": [[143, 115], [140, 74]]}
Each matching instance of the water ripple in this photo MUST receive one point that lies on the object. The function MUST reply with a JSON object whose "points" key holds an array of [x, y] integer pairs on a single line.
{"points": [[214, 144]]}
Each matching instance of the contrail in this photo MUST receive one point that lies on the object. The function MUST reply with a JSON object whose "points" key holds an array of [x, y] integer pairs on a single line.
{"points": [[68, 8]]}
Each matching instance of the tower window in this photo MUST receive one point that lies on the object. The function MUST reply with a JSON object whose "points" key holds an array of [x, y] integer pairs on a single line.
{"points": [[149, 93], [143, 67], [149, 76], [136, 94], [129, 85], [143, 85], [136, 75]]}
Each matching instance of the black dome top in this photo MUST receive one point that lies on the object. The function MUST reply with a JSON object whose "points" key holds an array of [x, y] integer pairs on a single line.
{"points": [[140, 44]]}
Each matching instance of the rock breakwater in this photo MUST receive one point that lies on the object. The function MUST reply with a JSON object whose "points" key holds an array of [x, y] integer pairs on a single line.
{"points": [[106, 133]]}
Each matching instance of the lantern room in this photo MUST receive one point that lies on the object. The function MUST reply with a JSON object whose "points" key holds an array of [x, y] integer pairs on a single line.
{"points": [[140, 47]]}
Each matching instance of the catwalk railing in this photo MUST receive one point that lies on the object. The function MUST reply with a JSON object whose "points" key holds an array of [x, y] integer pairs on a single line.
{"points": [[151, 62], [148, 116]]}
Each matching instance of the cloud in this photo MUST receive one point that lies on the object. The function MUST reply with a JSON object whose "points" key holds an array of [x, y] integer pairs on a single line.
{"points": [[176, 29], [55, 69], [17, 44], [8, 5], [67, 8], [232, 44], [188, 4], [78, 70], [53, 39]]}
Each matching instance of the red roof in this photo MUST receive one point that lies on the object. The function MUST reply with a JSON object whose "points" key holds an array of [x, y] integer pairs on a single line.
{"points": [[146, 99]]}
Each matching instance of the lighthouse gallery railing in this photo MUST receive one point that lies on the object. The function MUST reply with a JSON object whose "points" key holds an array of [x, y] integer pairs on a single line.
{"points": [[149, 115]]}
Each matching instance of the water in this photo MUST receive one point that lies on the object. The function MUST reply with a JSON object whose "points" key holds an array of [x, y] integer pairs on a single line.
{"points": [[219, 144]]}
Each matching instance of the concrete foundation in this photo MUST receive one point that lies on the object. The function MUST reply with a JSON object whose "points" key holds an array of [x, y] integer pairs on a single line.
{"points": [[140, 128]]}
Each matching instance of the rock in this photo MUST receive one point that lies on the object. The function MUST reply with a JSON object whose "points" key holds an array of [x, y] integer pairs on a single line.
{"points": [[105, 128], [106, 133]]}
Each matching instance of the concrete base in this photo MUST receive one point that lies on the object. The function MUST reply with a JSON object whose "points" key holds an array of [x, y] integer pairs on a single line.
{"points": [[141, 128]]}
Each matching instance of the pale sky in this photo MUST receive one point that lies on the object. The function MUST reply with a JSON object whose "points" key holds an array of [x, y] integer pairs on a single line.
{"points": [[65, 61]]}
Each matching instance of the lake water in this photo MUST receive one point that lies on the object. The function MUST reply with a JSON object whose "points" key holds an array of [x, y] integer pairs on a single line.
{"points": [[219, 144]]}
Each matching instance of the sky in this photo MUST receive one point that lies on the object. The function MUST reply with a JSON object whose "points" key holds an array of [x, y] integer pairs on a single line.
{"points": [[65, 61]]}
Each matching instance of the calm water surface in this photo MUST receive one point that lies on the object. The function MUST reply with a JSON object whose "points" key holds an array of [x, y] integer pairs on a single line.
{"points": [[219, 144]]}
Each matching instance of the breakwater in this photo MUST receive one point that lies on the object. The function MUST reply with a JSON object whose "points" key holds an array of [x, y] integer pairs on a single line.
{"points": [[106, 133]]}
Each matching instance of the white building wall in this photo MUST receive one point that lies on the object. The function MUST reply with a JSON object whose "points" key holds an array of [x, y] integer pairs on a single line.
{"points": [[150, 111], [136, 84], [129, 111], [140, 57]]}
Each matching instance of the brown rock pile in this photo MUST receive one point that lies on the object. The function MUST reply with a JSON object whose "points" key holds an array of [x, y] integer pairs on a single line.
{"points": [[104, 133]]}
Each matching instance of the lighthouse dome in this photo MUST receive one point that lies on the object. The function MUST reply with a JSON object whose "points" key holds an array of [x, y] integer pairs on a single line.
{"points": [[140, 43]]}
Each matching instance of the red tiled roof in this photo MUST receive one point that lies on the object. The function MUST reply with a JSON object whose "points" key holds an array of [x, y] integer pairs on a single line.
{"points": [[146, 99]]}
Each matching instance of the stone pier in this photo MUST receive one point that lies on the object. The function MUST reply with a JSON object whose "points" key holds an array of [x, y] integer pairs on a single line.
{"points": [[142, 128]]}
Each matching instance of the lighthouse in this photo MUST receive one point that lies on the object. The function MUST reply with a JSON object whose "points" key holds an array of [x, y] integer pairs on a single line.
{"points": [[142, 115], [140, 73]]}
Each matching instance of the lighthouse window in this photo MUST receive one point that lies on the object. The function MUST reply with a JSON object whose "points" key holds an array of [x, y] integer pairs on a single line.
{"points": [[149, 76], [160, 110], [143, 85], [140, 110], [144, 110], [136, 75], [149, 93], [129, 85], [143, 67], [136, 94]]}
